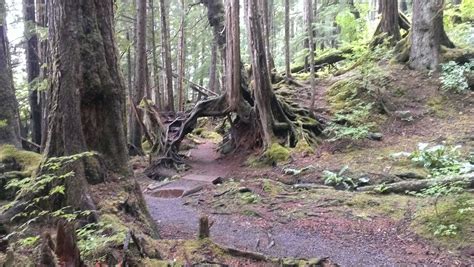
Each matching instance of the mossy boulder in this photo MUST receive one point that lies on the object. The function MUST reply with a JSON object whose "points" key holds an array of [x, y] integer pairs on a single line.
{"points": [[15, 164], [276, 154]]}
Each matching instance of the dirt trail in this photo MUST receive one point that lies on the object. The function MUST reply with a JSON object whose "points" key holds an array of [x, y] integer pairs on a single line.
{"points": [[346, 241]]}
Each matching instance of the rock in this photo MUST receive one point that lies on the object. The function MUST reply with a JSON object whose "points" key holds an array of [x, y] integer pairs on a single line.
{"points": [[404, 115], [375, 136]]}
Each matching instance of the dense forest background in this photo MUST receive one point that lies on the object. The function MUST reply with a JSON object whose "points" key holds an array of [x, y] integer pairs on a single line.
{"points": [[227, 132]]}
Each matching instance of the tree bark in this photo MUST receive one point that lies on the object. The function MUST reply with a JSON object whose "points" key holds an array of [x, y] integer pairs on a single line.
{"points": [[166, 54], [263, 89], [32, 69], [182, 58], [9, 122], [156, 73], [389, 22], [425, 37], [311, 53], [87, 100], [138, 93], [43, 56], [232, 62], [287, 39], [213, 83]]}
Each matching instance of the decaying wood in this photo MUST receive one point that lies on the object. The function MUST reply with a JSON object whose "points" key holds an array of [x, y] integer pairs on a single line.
{"points": [[67, 252], [418, 185], [204, 228]]}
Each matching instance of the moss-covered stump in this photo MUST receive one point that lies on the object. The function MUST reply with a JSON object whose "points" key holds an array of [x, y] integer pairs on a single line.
{"points": [[15, 164]]}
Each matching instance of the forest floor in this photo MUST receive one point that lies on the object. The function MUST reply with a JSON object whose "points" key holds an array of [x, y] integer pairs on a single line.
{"points": [[260, 210]]}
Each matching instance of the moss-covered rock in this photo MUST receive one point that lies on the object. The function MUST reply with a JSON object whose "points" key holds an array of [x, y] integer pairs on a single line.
{"points": [[15, 164], [28, 161]]}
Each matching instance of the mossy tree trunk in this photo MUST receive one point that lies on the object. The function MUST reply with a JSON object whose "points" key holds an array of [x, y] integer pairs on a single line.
{"points": [[9, 123], [87, 95]]}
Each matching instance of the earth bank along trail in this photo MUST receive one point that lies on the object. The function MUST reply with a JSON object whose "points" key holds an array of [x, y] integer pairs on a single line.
{"points": [[345, 240]]}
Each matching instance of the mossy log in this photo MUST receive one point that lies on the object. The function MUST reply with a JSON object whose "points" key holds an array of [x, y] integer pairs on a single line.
{"points": [[467, 181], [325, 59]]}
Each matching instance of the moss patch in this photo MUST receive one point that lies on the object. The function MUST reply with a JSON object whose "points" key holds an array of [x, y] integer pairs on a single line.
{"points": [[449, 221], [28, 160]]}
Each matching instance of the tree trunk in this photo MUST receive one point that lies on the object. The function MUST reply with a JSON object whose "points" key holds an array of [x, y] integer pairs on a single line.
{"points": [[261, 74], [138, 93], [311, 54], [32, 69], [182, 57], [156, 73], [166, 54], [87, 91], [213, 83], [389, 22], [43, 56], [287, 39], [425, 37], [232, 62], [9, 123], [267, 11]]}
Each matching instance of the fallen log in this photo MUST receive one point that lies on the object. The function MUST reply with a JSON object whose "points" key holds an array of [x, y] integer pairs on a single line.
{"points": [[419, 185], [325, 59]]}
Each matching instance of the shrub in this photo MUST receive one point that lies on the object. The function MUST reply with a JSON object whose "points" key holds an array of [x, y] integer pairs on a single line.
{"points": [[453, 77]]}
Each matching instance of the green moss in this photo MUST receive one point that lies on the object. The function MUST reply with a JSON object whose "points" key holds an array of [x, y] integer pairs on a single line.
{"points": [[344, 94], [304, 147], [277, 153], [448, 221], [366, 205], [28, 160]]}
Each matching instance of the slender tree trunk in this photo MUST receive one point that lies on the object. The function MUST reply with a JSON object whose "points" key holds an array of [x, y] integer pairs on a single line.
{"points": [[43, 55], [32, 69], [427, 24], [266, 22], [287, 39], [311, 53], [213, 69], [182, 57], [166, 53], [140, 76], [9, 122], [156, 72], [232, 62]]}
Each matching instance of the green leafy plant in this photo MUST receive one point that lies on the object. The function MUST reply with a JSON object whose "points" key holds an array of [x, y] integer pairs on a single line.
{"points": [[94, 238], [453, 77], [438, 160], [339, 180], [353, 125]]}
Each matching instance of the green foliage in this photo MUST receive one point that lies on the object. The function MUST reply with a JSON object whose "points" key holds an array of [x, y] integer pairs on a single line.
{"points": [[338, 180], [452, 218], [353, 124], [3, 123], [453, 76], [438, 160], [276, 153], [30, 241], [467, 10], [351, 29], [441, 190], [95, 239], [249, 198]]}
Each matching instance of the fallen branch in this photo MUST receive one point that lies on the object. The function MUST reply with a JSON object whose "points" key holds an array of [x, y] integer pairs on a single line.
{"points": [[418, 185]]}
